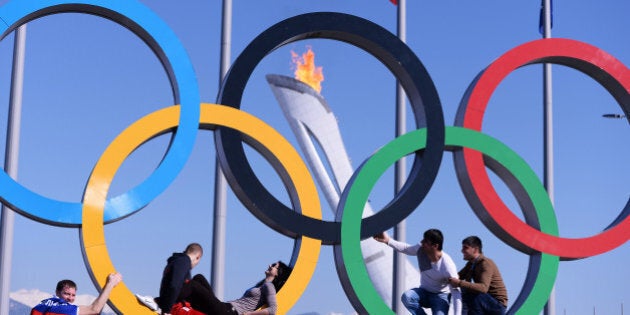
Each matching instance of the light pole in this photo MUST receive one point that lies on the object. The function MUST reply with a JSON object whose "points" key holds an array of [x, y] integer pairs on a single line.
{"points": [[616, 116]]}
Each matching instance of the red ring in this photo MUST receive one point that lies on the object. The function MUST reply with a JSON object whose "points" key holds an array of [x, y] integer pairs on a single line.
{"points": [[580, 56]]}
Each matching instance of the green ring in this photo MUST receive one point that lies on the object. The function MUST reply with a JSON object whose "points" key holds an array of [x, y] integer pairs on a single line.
{"points": [[366, 177]]}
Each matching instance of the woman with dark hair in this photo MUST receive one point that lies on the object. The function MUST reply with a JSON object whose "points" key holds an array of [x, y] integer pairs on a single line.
{"points": [[199, 294]]}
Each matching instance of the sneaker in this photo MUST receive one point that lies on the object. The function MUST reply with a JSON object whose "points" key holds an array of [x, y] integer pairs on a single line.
{"points": [[148, 301]]}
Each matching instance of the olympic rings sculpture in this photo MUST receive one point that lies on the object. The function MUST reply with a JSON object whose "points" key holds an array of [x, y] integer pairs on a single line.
{"points": [[161, 39], [260, 135], [473, 152]]}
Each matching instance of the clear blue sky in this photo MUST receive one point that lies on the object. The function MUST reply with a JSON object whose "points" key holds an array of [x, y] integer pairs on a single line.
{"points": [[88, 78]]}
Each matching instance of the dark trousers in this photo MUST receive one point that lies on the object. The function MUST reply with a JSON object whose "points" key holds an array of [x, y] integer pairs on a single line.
{"points": [[482, 304], [199, 294]]}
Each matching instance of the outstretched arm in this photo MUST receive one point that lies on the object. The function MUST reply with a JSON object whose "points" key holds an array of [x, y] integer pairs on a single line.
{"points": [[382, 237], [97, 306], [396, 245]]}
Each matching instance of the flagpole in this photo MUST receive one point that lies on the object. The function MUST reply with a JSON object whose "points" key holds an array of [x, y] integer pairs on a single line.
{"points": [[220, 186], [550, 307], [11, 165], [400, 230]]}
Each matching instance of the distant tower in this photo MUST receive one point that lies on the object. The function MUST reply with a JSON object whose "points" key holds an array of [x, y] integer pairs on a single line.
{"points": [[311, 118]]}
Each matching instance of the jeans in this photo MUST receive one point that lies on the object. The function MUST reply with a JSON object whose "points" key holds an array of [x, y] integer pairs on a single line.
{"points": [[482, 304], [415, 299]]}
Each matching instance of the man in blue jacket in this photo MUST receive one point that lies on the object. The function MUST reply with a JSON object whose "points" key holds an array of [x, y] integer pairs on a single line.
{"points": [[66, 292]]}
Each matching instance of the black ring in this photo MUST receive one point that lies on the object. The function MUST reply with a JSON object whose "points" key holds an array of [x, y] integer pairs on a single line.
{"points": [[405, 66]]}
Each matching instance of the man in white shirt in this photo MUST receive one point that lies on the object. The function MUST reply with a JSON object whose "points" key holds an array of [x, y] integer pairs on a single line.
{"points": [[436, 267]]}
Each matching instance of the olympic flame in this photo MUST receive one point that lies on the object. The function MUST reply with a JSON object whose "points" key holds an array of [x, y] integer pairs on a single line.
{"points": [[306, 71]]}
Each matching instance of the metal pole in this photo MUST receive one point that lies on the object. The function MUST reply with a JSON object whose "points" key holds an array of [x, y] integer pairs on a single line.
{"points": [[220, 189], [400, 230], [550, 307], [616, 116], [11, 164]]}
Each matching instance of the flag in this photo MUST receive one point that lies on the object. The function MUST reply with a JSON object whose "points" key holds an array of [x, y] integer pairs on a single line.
{"points": [[541, 20]]}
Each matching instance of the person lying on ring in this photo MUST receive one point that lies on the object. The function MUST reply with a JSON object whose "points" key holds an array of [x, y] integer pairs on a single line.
{"points": [[259, 299]]}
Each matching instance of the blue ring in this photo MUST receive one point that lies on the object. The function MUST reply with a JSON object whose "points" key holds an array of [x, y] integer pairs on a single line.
{"points": [[162, 40]]}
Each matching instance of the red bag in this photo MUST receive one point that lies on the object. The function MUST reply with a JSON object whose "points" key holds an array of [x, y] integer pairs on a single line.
{"points": [[183, 308]]}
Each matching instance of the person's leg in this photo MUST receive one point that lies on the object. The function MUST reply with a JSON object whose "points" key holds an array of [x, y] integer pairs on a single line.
{"points": [[412, 300], [199, 294], [482, 304], [439, 303], [490, 305], [202, 281], [468, 299]]}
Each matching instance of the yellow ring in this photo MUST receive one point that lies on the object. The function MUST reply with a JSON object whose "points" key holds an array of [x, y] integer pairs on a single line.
{"points": [[93, 243]]}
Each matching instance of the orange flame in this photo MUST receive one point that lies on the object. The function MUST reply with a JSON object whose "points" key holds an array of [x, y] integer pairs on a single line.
{"points": [[306, 71]]}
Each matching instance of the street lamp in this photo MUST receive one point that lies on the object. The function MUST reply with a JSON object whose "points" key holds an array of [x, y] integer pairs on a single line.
{"points": [[613, 116]]}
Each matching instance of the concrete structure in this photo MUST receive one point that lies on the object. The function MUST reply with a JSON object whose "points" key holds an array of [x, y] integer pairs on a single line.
{"points": [[311, 118]]}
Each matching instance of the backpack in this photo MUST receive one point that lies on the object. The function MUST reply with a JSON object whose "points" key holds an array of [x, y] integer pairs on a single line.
{"points": [[184, 308]]}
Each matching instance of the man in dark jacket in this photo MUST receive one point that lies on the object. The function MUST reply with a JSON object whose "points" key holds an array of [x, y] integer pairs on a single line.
{"points": [[176, 273]]}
